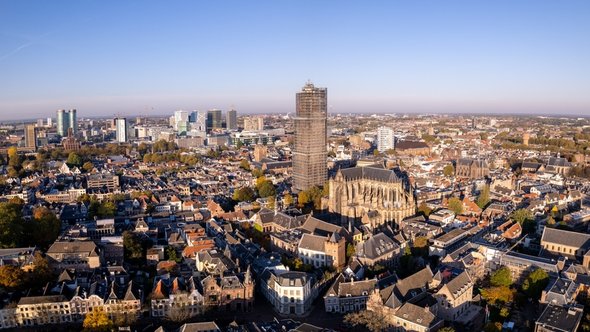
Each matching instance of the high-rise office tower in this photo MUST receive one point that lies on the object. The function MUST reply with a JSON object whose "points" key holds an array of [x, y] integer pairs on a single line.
{"points": [[49, 122], [73, 121], [231, 121], [31, 136], [181, 122], [214, 119], [385, 139], [65, 120], [309, 153], [122, 134]]}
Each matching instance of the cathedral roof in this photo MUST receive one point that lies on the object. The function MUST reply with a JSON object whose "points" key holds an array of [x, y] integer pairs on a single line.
{"points": [[370, 173]]}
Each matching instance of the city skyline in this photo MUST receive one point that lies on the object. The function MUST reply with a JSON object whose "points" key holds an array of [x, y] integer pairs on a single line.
{"points": [[153, 59]]}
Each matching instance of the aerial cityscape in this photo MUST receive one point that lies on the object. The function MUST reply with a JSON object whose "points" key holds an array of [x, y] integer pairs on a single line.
{"points": [[180, 167]]}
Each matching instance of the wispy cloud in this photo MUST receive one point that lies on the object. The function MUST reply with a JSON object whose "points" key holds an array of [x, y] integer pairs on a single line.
{"points": [[29, 43]]}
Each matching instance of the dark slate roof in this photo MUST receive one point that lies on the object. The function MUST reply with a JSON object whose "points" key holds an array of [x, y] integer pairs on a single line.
{"points": [[568, 238], [370, 173], [558, 318], [415, 282], [376, 246]]}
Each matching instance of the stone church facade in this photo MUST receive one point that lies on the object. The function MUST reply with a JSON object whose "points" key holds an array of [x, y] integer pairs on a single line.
{"points": [[372, 194], [472, 168]]}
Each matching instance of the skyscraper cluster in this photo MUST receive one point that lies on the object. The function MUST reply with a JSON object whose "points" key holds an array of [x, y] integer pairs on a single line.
{"points": [[65, 120], [198, 123], [310, 154]]}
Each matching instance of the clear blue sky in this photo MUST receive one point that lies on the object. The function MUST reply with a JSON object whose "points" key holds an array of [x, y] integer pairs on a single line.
{"points": [[126, 57]]}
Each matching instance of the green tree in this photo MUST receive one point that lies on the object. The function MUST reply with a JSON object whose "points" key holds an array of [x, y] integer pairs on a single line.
{"points": [[74, 159], [525, 218], [448, 170], [172, 255], [11, 224], [535, 283], [134, 247], [244, 194], [266, 189], [97, 321], [521, 216], [484, 197], [455, 205], [501, 277], [43, 229]]}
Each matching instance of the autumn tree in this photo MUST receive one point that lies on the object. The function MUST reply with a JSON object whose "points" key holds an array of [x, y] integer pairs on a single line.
{"points": [[498, 295], [372, 320], [97, 321], [88, 166], [350, 250], [303, 198], [14, 162], [424, 209], [42, 273], [455, 205], [446, 329], [74, 159], [493, 327], [11, 277], [245, 165], [449, 170], [288, 199]]}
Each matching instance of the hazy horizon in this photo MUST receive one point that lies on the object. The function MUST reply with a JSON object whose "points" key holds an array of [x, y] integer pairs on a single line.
{"points": [[128, 58]]}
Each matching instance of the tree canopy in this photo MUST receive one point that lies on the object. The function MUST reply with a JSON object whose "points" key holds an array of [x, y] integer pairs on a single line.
{"points": [[456, 205], [535, 283], [501, 277], [97, 321], [484, 197], [244, 194], [448, 170], [11, 224]]}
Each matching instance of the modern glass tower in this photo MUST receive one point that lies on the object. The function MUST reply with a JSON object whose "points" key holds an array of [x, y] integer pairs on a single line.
{"points": [[65, 120], [309, 154]]}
